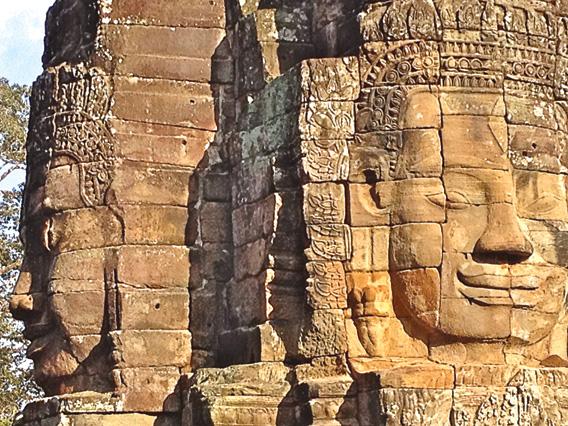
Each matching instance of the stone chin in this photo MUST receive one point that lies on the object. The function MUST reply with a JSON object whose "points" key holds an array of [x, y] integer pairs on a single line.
{"points": [[54, 364], [485, 308]]}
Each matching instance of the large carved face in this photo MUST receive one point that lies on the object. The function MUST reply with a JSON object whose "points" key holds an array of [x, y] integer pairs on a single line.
{"points": [[106, 269], [477, 212], [61, 294]]}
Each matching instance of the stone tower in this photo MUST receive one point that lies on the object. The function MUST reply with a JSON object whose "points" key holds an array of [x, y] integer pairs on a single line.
{"points": [[297, 212]]}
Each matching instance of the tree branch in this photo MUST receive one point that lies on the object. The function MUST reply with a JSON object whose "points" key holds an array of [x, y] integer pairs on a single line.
{"points": [[10, 170], [10, 267]]}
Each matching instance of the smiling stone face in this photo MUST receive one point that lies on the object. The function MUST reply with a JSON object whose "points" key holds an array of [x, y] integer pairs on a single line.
{"points": [[61, 294], [103, 289], [467, 187], [489, 278]]}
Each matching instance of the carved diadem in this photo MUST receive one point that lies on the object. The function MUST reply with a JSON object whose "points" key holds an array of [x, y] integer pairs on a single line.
{"points": [[69, 118]]}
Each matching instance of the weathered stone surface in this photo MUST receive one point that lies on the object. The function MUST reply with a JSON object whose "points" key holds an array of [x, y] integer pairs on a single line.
{"points": [[221, 229], [142, 266], [149, 348], [416, 246]]}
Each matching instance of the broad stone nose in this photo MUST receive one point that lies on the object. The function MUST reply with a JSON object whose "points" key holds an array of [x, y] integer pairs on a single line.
{"points": [[503, 237], [23, 303]]}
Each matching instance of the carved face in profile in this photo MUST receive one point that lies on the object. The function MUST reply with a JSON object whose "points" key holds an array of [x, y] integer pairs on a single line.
{"points": [[103, 286], [478, 209], [61, 294]]}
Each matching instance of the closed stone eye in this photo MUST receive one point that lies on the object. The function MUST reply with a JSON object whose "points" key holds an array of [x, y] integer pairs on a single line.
{"points": [[457, 200]]}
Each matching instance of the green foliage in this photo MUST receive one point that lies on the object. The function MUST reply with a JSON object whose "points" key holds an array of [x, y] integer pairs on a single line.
{"points": [[15, 384], [14, 112]]}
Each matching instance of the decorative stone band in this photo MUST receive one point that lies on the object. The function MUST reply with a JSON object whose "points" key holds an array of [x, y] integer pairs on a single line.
{"points": [[69, 114], [468, 43]]}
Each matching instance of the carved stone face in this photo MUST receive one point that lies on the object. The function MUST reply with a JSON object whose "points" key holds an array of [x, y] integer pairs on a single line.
{"points": [[106, 269], [60, 294], [474, 243]]}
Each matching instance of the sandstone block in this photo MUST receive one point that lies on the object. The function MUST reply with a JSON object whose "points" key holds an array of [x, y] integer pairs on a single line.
{"points": [[150, 390], [247, 301], [323, 334], [422, 111], [415, 246], [251, 258], [373, 156], [183, 104], [164, 52], [419, 291], [215, 222], [435, 405], [418, 376], [535, 148], [136, 183], [252, 182], [153, 309], [65, 286], [541, 195], [62, 188], [186, 13], [366, 205], [332, 120], [324, 203], [370, 249], [369, 294], [531, 112], [145, 348], [386, 337], [156, 143], [263, 213], [421, 154], [486, 147], [91, 304], [155, 225], [331, 79], [85, 229], [205, 318], [111, 419], [324, 160], [266, 342], [326, 286], [329, 242], [80, 265], [472, 103], [153, 267], [418, 200]]}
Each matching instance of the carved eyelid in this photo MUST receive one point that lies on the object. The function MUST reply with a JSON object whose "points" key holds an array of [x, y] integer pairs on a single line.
{"points": [[437, 198], [544, 204], [457, 199]]}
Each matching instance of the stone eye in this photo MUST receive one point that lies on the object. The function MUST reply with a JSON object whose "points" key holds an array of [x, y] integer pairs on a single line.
{"points": [[457, 200]]}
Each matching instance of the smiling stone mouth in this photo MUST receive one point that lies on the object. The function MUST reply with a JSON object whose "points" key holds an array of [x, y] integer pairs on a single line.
{"points": [[37, 346], [496, 286], [35, 331], [40, 337]]}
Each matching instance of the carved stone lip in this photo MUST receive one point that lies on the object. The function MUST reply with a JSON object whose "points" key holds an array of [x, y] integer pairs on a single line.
{"points": [[493, 277], [493, 284], [35, 331], [37, 346], [486, 296]]}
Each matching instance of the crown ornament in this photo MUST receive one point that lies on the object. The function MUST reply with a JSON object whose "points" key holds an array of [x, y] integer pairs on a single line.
{"points": [[470, 43], [70, 119]]}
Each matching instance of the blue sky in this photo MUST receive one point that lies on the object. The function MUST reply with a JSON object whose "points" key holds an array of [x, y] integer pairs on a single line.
{"points": [[21, 47], [21, 39]]}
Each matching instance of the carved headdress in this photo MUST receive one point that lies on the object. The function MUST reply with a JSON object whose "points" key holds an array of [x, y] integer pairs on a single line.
{"points": [[516, 48], [69, 115], [470, 43]]}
